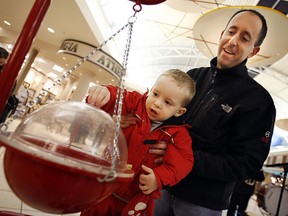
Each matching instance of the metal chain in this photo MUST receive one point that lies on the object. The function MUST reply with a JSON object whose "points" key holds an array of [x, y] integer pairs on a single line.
{"points": [[38, 99], [119, 96], [118, 103]]}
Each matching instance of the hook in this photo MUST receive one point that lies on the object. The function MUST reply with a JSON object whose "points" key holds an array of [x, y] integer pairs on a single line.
{"points": [[109, 177], [137, 7]]}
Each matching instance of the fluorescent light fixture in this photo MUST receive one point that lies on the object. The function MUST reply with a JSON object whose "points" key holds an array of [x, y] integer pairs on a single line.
{"points": [[52, 75], [7, 23], [57, 68], [51, 30], [41, 60]]}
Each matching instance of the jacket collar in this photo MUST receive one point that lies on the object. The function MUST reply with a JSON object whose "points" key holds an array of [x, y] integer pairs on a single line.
{"points": [[238, 70]]}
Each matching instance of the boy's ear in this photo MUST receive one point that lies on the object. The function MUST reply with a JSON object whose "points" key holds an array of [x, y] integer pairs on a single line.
{"points": [[180, 112]]}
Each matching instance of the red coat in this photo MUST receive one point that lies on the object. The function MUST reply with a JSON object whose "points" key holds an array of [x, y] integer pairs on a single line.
{"points": [[177, 161]]}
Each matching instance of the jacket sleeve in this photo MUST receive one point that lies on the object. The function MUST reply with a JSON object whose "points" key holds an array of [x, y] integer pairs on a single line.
{"points": [[130, 99], [177, 162]]}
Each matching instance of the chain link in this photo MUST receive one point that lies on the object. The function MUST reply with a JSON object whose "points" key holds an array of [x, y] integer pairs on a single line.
{"points": [[119, 96], [118, 104], [38, 99]]}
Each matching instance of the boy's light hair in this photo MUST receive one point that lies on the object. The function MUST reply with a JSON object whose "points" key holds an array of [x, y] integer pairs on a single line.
{"points": [[183, 80]]}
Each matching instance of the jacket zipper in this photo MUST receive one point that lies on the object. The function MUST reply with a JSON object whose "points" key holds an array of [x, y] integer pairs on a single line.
{"points": [[204, 104]]}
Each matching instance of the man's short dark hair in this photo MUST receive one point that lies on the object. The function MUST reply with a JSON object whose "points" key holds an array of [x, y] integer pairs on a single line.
{"points": [[3, 53], [263, 30]]}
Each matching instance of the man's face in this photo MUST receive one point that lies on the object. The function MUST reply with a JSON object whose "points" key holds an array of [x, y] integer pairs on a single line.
{"points": [[238, 39], [2, 61]]}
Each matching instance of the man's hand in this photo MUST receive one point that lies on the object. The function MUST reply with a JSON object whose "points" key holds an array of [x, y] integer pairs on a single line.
{"points": [[148, 182], [158, 149], [127, 120], [98, 95]]}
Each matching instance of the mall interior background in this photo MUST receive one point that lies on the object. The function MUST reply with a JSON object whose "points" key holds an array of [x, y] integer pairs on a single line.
{"points": [[164, 36]]}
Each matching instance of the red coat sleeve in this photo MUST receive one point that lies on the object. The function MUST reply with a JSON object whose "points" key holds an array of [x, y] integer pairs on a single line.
{"points": [[178, 160], [130, 100]]}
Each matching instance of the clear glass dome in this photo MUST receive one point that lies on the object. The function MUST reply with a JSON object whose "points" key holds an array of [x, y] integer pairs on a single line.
{"points": [[62, 158], [78, 127]]}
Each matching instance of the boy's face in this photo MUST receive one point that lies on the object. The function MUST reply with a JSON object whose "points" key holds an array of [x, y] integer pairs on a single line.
{"points": [[238, 39], [165, 99]]}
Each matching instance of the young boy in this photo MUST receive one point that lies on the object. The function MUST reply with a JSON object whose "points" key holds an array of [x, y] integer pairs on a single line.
{"points": [[171, 93]]}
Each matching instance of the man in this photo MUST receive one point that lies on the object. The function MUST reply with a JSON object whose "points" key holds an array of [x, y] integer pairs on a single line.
{"points": [[3, 58], [241, 195], [232, 119], [12, 102]]}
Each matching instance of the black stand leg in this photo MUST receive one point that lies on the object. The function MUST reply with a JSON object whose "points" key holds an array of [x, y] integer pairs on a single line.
{"points": [[282, 190]]}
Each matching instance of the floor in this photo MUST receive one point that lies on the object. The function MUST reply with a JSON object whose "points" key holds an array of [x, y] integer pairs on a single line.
{"points": [[11, 203]]}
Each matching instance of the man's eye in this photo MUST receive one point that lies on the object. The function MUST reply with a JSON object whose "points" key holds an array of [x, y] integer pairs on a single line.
{"points": [[245, 38]]}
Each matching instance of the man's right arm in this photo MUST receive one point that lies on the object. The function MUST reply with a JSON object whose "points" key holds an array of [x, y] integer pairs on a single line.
{"points": [[157, 148]]}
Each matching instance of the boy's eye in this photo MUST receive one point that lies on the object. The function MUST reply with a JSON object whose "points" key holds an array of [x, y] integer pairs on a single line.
{"points": [[167, 102], [155, 94]]}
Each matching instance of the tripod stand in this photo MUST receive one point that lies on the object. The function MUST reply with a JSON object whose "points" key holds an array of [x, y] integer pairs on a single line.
{"points": [[285, 167]]}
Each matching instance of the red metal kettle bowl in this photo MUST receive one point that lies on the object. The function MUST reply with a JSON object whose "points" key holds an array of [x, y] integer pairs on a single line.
{"points": [[57, 158]]}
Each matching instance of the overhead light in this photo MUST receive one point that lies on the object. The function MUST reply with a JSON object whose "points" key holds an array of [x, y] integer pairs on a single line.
{"points": [[51, 30], [52, 75], [91, 84], [7, 23], [58, 68], [40, 60]]}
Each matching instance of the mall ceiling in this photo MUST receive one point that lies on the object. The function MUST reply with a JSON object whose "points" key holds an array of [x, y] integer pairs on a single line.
{"points": [[162, 36], [66, 19]]}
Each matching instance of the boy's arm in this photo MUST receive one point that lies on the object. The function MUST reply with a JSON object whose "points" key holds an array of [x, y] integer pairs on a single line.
{"points": [[103, 97], [98, 96], [177, 161], [147, 181]]}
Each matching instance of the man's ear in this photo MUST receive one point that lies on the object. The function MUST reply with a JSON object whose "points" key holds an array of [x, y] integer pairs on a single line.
{"points": [[254, 52], [221, 35], [180, 112]]}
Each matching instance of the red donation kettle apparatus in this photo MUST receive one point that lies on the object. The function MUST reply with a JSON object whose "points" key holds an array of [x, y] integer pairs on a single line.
{"points": [[58, 157]]}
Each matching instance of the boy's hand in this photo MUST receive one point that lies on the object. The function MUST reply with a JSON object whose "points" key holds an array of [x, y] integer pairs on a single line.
{"points": [[98, 96], [148, 182]]}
